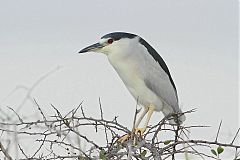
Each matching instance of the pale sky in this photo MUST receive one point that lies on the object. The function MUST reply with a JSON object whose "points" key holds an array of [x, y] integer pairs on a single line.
{"points": [[198, 39]]}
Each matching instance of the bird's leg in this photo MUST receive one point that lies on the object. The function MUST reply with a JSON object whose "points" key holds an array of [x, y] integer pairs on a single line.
{"points": [[127, 136], [141, 116], [151, 108]]}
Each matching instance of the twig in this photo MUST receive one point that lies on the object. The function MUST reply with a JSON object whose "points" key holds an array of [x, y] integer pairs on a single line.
{"points": [[83, 114], [19, 118], [218, 130], [235, 136], [101, 112], [134, 122], [22, 151], [100, 106], [39, 146], [5, 152]]}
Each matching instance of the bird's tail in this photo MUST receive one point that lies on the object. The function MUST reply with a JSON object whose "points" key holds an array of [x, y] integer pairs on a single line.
{"points": [[174, 117]]}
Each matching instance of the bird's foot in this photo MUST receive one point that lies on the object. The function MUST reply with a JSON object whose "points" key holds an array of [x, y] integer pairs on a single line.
{"points": [[140, 131], [124, 138], [137, 131]]}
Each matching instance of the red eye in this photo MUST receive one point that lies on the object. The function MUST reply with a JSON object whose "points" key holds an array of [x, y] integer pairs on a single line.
{"points": [[110, 41]]}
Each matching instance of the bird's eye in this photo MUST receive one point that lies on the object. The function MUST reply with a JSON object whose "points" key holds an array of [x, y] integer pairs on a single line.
{"points": [[110, 41]]}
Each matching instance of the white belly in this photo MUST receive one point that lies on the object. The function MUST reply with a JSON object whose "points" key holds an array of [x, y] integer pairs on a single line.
{"points": [[134, 81]]}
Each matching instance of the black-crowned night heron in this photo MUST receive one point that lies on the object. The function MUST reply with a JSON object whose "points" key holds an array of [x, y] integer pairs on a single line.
{"points": [[144, 73]]}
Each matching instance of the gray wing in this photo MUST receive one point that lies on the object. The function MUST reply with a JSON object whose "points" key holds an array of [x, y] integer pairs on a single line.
{"points": [[159, 82], [157, 76]]}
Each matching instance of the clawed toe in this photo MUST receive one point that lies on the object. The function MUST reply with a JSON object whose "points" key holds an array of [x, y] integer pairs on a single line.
{"points": [[139, 131], [124, 138]]}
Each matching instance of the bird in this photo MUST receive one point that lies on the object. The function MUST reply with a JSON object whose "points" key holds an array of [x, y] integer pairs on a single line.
{"points": [[144, 73]]}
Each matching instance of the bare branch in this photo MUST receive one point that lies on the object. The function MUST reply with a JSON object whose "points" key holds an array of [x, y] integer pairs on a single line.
{"points": [[5, 152], [61, 131], [218, 131]]}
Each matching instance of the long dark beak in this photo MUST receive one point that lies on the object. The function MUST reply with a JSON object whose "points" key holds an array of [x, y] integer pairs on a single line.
{"points": [[93, 47]]}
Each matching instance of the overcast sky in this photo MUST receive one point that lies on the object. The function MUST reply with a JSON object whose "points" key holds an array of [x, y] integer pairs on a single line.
{"points": [[198, 39]]}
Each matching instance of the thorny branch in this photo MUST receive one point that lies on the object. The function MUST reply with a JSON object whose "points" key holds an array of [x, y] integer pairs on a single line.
{"points": [[55, 133], [5, 152]]}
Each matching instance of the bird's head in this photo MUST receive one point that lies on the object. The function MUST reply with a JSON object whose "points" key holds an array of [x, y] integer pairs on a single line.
{"points": [[110, 43]]}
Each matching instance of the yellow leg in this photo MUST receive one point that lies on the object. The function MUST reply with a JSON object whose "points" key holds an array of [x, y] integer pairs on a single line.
{"points": [[141, 116], [124, 138], [147, 110], [151, 108]]}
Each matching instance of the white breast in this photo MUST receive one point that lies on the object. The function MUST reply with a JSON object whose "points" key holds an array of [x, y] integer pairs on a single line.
{"points": [[130, 71]]}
